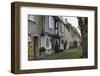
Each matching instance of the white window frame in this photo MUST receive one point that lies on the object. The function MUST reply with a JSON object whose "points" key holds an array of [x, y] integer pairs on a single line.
{"points": [[51, 22]]}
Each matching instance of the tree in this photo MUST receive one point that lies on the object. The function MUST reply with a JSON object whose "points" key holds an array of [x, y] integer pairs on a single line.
{"points": [[83, 25]]}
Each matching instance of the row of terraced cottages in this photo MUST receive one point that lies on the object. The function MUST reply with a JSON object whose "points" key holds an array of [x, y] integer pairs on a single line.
{"points": [[46, 31]]}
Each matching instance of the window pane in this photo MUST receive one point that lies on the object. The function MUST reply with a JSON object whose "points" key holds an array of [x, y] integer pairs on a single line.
{"points": [[51, 22]]}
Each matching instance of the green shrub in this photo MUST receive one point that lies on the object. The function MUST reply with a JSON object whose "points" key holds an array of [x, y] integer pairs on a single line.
{"points": [[42, 49], [61, 50]]}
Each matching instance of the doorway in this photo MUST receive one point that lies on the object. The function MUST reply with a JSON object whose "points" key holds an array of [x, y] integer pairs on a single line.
{"points": [[36, 47]]}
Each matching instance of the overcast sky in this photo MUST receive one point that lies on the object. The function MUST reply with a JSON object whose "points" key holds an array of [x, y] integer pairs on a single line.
{"points": [[73, 21]]}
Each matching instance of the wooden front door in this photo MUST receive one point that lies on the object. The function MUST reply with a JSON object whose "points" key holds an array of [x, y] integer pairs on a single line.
{"points": [[35, 46]]}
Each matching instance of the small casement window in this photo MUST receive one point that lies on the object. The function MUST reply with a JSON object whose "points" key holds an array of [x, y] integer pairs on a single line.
{"points": [[51, 22], [62, 41], [32, 18], [57, 24], [56, 31], [47, 42]]}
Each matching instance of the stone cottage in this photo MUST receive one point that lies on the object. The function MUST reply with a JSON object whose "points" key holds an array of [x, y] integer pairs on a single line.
{"points": [[72, 38], [44, 31]]}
